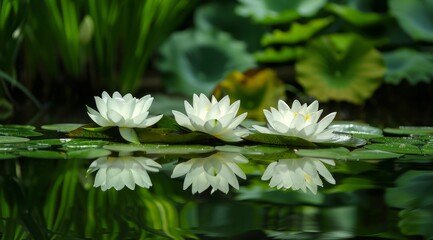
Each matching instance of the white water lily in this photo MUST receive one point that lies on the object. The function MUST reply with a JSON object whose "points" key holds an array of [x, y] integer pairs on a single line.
{"points": [[300, 173], [125, 112], [217, 171], [125, 170], [213, 117], [299, 121]]}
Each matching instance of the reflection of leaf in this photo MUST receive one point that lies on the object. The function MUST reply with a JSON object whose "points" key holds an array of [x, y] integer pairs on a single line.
{"points": [[256, 89], [353, 184], [344, 154], [282, 55], [277, 11], [354, 16], [408, 64], [297, 33], [195, 61], [414, 17], [341, 67]]}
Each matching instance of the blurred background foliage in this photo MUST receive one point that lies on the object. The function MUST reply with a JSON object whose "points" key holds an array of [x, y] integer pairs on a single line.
{"points": [[359, 56]]}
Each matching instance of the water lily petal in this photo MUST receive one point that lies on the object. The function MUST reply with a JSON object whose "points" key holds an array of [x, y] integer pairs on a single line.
{"points": [[182, 119], [129, 134]]}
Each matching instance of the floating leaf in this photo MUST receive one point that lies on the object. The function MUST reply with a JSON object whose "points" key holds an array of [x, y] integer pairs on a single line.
{"points": [[282, 55], [62, 127], [50, 142], [427, 149], [400, 140], [354, 16], [279, 140], [252, 150], [343, 140], [276, 11], [256, 90], [408, 64], [160, 148], [18, 131], [341, 67], [410, 130], [297, 32], [12, 139], [88, 153], [356, 129], [345, 154], [395, 147], [414, 17], [195, 61], [84, 143]]}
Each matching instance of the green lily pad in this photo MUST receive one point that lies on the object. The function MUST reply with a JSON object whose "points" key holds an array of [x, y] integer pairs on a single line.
{"points": [[88, 153], [44, 154], [297, 32], [409, 130], [18, 131], [345, 154], [62, 127], [19, 126], [12, 139], [356, 129], [400, 140], [414, 17], [344, 140], [160, 148], [279, 140], [355, 16], [341, 67], [408, 64], [50, 142], [84, 143], [251, 150], [395, 147], [427, 149]]}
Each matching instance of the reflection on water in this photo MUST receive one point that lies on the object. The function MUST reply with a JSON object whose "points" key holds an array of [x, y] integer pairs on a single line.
{"points": [[54, 199]]}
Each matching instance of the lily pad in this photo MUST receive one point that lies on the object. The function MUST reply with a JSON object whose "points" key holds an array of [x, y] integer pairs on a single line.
{"points": [[341, 67], [281, 55], [12, 139], [343, 140], [408, 64], [410, 130], [400, 140], [356, 129], [345, 154], [18, 131], [427, 149], [62, 127], [251, 150], [160, 148], [395, 147], [88, 153], [84, 143], [279, 140]]}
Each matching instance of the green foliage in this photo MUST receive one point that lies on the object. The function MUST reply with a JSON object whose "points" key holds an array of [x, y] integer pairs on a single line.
{"points": [[340, 67], [355, 16], [195, 61], [272, 55], [414, 17], [408, 64]]}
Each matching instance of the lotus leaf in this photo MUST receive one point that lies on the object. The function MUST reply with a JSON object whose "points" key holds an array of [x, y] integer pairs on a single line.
{"points": [[408, 64], [195, 61], [341, 67], [414, 17], [277, 11], [355, 16], [257, 90], [297, 32], [282, 55]]}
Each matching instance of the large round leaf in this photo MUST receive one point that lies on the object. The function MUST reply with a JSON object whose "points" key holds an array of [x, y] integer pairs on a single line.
{"points": [[195, 61], [415, 17], [341, 67]]}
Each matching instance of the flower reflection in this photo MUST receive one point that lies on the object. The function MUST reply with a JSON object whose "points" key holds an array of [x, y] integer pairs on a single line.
{"points": [[125, 170], [300, 173], [217, 171], [299, 121]]}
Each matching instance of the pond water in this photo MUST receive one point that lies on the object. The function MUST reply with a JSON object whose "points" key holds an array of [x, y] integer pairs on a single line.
{"points": [[64, 184]]}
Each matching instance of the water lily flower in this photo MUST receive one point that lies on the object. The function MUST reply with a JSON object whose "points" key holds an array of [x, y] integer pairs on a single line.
{"points": [[299, 121], [125, 112], [300, 173], [217, 171], [125, 170], [213, 117]]}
